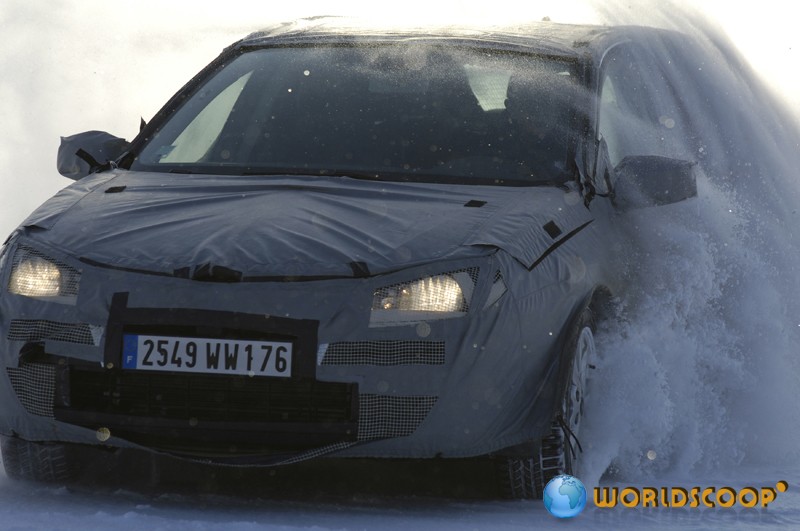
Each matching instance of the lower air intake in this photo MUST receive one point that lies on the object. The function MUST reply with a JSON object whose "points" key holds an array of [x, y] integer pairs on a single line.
{"points": [[383, 416], [34, 384]]}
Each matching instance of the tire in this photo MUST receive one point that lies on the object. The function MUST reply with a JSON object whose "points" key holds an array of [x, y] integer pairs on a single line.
{"points": [[525, 477], [40, 462]]}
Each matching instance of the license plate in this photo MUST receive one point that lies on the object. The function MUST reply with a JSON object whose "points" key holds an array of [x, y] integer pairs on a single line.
{"points": [[207, 355]]}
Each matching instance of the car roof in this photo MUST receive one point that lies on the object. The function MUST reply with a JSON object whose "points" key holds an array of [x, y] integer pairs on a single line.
{"points": [[545, 37]]}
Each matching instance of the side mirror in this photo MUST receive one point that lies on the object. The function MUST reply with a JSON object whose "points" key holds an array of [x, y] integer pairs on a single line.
{"points": [[85, 153], [644, 181]]}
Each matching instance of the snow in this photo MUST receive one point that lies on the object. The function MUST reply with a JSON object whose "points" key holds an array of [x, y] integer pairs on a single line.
{"points": [[101, 506], [697, 386]]}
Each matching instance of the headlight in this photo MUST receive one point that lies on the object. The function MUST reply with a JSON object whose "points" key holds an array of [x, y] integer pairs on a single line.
{"points": [[36, 275], [433, 294], [435, 297]]}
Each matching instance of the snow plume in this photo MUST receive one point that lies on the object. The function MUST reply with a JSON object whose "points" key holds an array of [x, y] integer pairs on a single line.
{"points": [[700, 371]]}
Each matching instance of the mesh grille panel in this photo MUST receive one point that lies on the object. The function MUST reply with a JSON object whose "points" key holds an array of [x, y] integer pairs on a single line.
{"points": [[383, 416], [34, 384], [385, 353], [473, 273], [497, 291], [39, 330], [313, 454], [70, 277]]}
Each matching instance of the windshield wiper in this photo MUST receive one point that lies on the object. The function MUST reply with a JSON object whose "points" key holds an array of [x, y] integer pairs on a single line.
{"points": [[318, 173], [360, 175], [410, 176]]}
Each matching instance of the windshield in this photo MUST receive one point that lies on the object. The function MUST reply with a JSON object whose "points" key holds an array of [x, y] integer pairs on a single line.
{"points": [[416, 112]]}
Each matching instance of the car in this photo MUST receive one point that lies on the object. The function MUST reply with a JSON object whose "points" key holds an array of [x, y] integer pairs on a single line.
{"points": [[346, 242]]}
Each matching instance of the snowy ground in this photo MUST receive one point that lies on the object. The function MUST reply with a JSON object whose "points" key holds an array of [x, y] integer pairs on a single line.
{"points": [[106, 506]]}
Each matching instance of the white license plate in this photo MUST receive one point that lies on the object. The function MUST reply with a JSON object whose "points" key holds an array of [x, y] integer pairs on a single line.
{"points": [[207, 355]]}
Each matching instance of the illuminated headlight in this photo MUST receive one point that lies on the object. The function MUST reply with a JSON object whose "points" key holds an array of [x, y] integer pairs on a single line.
{"points": [[435, 297], [38, 276]]}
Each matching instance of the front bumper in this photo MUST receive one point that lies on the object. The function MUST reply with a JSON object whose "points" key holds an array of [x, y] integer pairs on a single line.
{"points": [[454, 388]]}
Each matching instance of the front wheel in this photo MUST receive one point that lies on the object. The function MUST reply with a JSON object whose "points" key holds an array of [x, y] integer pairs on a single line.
{"points": [[573, 402], [559, 451], [32, 461]]}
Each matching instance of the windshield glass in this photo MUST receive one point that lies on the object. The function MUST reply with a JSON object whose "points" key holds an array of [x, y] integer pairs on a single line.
{"points": [[417, 112]]}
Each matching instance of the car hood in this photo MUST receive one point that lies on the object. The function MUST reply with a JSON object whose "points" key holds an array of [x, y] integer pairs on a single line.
{"points": [[297, 226]]}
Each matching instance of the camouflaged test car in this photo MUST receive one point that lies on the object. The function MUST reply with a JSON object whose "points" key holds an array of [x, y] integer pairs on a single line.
{"points": [[340, 241]]}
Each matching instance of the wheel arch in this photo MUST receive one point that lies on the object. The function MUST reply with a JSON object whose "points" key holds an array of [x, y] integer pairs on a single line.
{"points": [[599, 304], [548, 398]]}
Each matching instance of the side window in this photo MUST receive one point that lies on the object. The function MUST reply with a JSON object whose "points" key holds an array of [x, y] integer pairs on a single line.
{"points": [[639, 112], [624, 121], [610, 119]]}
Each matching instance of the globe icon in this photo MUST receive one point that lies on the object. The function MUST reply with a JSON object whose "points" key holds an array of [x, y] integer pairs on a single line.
{"points": [[565, 496]]}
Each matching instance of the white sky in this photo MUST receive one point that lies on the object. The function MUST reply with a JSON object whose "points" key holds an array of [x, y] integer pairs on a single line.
{"points": [[74, 65]]}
